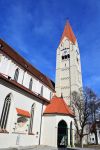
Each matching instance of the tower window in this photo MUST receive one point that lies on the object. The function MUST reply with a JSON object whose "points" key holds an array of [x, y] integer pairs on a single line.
{"points": [[62, 57], [5, 112], [68, 56], [16, 74], [65, 56]]}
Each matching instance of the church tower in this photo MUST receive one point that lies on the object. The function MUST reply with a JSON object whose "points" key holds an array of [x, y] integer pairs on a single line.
{"points": [[68, 65]]}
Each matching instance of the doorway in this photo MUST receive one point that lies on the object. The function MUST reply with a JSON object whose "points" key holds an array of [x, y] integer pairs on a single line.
{"points": [[62, 140]]}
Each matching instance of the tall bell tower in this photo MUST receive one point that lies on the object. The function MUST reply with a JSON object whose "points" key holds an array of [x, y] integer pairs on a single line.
{"points": [[68, 65]]}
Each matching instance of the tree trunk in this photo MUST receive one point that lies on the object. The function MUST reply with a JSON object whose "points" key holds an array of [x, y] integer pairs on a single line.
{"points": [[96, 138], [81, 141]]}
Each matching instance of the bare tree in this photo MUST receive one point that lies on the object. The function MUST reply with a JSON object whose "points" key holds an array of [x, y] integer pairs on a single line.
{"points": [[94, 106], [85, 106], [80, 106]]}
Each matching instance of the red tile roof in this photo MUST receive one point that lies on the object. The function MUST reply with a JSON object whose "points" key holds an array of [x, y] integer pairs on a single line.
{"points": [[26, 65], [68, 32], [23, 88], [23, 112], [58, 106]]}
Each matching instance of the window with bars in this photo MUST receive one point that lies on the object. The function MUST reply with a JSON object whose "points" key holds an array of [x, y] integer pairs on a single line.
{"points": [[30, 84], [16, 74], [31, 119], [5, 112]]}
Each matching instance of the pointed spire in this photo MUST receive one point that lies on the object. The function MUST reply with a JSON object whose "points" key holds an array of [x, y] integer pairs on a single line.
{"points": [[68, 32]]}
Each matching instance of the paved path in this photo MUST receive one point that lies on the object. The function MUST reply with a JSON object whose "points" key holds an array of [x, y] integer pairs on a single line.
{"points": [[46, 148]]}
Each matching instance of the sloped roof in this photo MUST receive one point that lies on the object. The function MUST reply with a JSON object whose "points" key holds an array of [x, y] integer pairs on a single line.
{"points": [[68, 32], [26, 65], [23, 112], [58, 106]]}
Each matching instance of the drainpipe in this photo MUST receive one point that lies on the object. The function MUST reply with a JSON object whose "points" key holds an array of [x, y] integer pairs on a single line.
{"points": [[41, 123]]}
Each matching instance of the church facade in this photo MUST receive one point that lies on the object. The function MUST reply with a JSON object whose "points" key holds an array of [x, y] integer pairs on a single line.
{"points": [[32, 110]]}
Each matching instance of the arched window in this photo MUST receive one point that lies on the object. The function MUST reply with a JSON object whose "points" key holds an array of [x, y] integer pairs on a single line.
{"points": [[30, 84], [50, 95], [42, 90], [5, 112], [16, 74], [31, 119]]}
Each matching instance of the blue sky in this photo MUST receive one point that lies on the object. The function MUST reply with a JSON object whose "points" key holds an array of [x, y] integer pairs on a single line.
{"points": [[34, 29]]}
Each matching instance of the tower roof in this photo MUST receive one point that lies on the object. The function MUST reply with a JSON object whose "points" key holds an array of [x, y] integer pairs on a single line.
{"points": [[58, 106], [68, 32]]}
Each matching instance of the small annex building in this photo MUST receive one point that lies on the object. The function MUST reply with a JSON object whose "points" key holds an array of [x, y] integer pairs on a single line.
{"points": [[58, 124]]}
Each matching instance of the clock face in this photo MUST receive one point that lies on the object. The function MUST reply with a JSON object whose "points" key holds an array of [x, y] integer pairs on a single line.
{"points": [[65, 52]]}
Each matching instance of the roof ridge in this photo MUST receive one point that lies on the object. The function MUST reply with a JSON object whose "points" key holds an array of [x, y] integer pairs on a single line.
{"points": [[66, 106], [58, 106]]}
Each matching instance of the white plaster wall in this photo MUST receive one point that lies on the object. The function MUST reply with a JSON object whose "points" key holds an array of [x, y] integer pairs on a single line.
{"points": [[49, 131], [19, 100], [67, 119], [4, 64], [46, 92], [91, 136], [8, 67], [50, 128], [11, 140], [98, 135]]}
